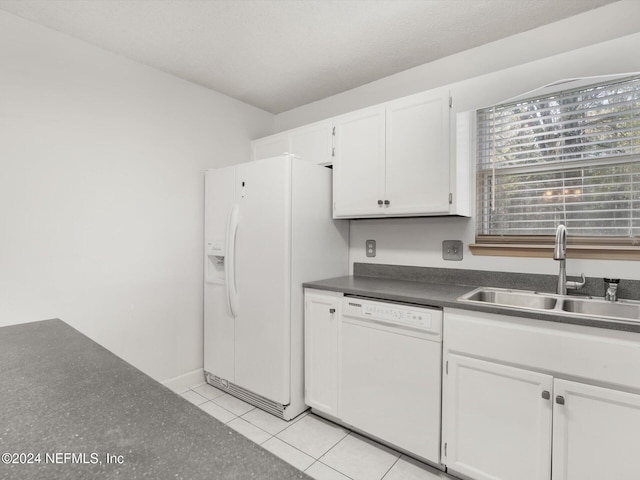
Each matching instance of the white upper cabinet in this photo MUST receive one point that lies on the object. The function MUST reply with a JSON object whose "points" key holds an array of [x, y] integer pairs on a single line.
{"points": [[394, 160], [359, 167], [312, 142], [271, 146], [389, 160], [417, 155]]}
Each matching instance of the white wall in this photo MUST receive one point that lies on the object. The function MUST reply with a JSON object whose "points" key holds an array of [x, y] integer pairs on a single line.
{"points": [[517, 68], [101, 193]]}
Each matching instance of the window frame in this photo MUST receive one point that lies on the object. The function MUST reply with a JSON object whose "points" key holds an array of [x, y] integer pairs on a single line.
{"points": [[594, 247]]}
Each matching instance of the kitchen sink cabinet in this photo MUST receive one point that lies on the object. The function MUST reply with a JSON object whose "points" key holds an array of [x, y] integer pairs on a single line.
{"points": [[537, 400], [321, 323], [312, 142], [393, 159], [596, 432], [498, 424]]}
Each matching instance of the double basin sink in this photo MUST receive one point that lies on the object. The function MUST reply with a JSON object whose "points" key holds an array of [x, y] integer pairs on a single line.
{"points": [[564, 305]]}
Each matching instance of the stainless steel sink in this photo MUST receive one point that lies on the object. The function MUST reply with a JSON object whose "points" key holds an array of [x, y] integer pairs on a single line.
{"points": [[626, 310], [512, 298], [563, 305]]}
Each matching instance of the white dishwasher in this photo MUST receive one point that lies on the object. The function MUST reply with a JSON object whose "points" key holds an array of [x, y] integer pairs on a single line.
{"points": [[390, 373]]}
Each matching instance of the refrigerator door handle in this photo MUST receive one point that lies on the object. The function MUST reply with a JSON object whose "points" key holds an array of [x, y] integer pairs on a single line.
{"points": [[230, 260]]}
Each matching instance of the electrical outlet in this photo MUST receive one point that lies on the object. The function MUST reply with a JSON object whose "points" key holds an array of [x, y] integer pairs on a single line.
{"points": [[370, 247], [452, 250]]}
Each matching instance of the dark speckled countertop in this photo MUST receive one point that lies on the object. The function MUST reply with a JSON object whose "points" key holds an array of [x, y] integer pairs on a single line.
{"points": [[61, 393], [410, 286]]}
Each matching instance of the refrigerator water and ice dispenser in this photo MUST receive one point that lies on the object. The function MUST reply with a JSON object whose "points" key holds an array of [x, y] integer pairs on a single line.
{"points": [[214, 250]]}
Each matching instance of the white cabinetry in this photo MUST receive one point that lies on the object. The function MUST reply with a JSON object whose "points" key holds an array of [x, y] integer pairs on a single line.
{"points": [[376, 367], [515, 387], [358, 170], [596, 432], [312, 142], [499, 423], [321, 320], [393, 159], [390, 160], [270, 146]]}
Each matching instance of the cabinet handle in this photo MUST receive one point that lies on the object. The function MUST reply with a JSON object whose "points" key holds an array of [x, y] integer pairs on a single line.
{"points": [[560, 400], [332, 310], [546, 395], [387, 202], [379, 202]]}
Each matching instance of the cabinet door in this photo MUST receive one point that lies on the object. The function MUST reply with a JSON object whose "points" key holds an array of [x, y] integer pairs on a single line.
{"points": [[417, 154], [313, 143], [321, 352], [271, 146], [497, 421], [596, 432], [358, 167]]}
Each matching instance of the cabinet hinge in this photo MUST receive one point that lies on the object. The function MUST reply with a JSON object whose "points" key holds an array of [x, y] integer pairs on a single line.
{"points": [[333, 131], [333, 151], [450, 101], [450, 198], [445, 449], [446, 368]]}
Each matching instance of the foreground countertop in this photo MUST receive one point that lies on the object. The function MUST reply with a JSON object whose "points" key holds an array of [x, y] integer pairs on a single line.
{"points": [[443, 295], [64, 394]]}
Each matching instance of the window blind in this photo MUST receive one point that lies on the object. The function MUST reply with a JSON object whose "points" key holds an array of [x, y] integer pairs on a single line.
{"points": [[572, 157]]}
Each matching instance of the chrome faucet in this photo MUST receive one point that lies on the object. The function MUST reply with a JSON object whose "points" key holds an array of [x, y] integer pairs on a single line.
{"points": [[611, 294], [560, 254]]}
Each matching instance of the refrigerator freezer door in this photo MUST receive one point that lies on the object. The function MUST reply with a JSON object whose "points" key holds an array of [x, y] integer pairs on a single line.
{"points": [[262, 327], [218, 322]]}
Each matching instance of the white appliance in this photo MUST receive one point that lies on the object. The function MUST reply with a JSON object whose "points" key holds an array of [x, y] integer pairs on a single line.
{"points": [[390, 383], [268, 229]]}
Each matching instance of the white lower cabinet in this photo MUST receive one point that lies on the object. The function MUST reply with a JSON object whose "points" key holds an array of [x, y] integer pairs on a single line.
{"points": [[596, 432], [321, 321], [513, 408], [498, 423]]}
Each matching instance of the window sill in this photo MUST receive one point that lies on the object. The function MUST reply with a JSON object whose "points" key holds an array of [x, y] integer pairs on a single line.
{"points": [[597, 252]]}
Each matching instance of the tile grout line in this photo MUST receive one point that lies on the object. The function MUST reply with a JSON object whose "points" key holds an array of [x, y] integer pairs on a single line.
{"points": [[318, 458], [330, 467], [272, 436], [389, 469]]}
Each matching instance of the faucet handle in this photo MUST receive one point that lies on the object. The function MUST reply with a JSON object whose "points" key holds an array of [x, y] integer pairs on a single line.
{"points": [[611, 289], [576, 285]]}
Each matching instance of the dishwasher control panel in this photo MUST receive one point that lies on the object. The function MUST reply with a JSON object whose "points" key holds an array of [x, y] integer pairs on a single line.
{"points": [[421, 318]]}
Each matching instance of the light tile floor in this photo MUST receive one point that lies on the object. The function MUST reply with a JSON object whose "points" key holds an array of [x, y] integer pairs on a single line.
{"points": [[322, 449]]}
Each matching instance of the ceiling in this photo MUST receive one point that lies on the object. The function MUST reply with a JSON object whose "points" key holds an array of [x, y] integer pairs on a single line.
{"points": [[281, 54]]}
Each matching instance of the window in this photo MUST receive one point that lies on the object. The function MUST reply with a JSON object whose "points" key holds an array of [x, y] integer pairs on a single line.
{"points": [[572, 157]]}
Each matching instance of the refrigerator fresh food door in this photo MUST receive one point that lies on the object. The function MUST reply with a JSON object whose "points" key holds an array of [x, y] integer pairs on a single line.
{"points": [[218, 322], [262, 276]]}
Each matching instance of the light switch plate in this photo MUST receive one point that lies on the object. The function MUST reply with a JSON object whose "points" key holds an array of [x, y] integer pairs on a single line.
{"points": [[370, 248], [452, 250]]}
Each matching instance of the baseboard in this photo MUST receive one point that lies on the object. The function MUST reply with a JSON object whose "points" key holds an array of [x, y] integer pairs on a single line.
{"points": [[183, 382]]}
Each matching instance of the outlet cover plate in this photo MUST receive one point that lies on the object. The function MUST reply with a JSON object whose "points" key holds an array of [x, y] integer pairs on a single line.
{"points": [[452, 250], [370, 248]]}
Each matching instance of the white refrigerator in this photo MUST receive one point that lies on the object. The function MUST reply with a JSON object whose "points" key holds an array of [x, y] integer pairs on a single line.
{"points": [[268, 229]]}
